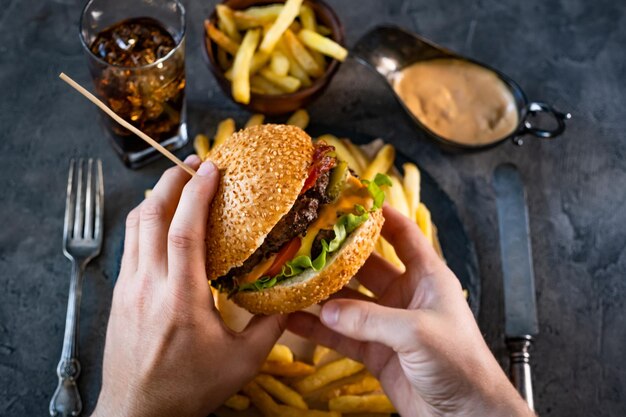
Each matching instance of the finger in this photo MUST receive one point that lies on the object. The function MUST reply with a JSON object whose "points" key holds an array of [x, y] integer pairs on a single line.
{"points": [[349, 293], [155, 215], [186, 247], [407, 239], [377, 274], [309, 326], [371, 322], [131, 245], [260, 335]]}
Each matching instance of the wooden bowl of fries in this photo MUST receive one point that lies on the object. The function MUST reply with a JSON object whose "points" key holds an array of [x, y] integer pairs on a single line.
{"points": [[280, 74]]}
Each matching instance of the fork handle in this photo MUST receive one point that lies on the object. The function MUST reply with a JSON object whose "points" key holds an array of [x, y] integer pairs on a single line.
{"points": [[66, 400]]}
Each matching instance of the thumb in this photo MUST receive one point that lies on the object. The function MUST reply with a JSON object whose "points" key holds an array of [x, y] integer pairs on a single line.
{"points": [[370, 322], [261, 334]]}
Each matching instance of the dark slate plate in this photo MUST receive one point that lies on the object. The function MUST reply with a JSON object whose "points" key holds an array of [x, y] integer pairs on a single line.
{"points": [[458, 250]]}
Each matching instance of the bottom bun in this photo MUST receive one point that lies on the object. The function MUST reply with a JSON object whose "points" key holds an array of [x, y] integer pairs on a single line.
{"points": [[311, 287]]}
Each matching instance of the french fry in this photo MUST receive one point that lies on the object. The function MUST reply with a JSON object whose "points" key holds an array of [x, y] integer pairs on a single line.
{"points": [[436, 243], [147, 193], [241, 66], [343, 152], [224, 130], [258, 61], [299, 118], [220, 38], [261, 85], [396, 196], [378, 247], [358, 155], [281, 391], [245, 21], [226, 22], [328, 373], [280, 353], [261, 399], [319, 58], [319, 353], [322, 44], [307, 17], [222, 59], [365, 291], [424, 222], [389, 253], [257, 16], [238, 402], [381, 162], [302, 55], [293, 369], [324, 30], [269, 12], [289, 411], [295, 70], [201, 145], [269, 408], [366, 384], [255, 120], [287, 15], [286, 83], [349, 404], [411, 183], [279, 63]]}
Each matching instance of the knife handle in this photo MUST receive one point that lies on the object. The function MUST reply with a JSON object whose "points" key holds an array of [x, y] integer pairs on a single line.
{"points": [[520, 367]]}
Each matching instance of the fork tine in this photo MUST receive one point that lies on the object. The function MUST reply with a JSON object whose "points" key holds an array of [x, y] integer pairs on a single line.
{"points": [[69, 204], [80, 202], [89, 206], [99, 220]]}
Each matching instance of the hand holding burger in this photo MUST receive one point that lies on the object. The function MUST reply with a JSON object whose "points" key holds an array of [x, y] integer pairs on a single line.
{"points": [[167, 351], [418, 337]]}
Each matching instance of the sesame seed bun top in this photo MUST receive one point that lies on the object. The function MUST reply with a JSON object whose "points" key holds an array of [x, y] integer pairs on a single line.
{"points": [[263, 169]]}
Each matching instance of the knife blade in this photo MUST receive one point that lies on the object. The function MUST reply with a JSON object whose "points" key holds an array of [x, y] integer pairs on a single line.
{"points": [[520, 307]]}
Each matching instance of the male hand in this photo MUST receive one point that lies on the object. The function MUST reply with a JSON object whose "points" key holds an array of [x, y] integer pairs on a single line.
{"points": [[418, 337], [167, 351]]}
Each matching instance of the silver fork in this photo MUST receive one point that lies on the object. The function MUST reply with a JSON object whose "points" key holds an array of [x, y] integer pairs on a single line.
{"points": [[82, 240]]}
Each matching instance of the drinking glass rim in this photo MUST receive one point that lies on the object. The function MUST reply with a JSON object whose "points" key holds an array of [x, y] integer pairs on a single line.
{"points": [[143, 67]]}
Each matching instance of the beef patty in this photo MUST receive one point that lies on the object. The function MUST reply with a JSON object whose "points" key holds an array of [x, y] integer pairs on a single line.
{"points": [[304, 212]]}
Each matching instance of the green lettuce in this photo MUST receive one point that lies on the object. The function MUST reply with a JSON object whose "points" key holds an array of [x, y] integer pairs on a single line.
{"points": [[375, 191], [346, 224]]}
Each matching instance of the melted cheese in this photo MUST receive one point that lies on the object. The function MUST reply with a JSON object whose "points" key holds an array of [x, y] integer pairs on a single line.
{"points": [[258, 271]]}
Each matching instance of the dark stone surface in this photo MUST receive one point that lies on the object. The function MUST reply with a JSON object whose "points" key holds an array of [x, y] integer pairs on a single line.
{"points": [[569, 53]]}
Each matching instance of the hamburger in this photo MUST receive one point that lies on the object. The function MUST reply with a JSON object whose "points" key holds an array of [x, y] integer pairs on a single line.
{"points": [[291, 223]]}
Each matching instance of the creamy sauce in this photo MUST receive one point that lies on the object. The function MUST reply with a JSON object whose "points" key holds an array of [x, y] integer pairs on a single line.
{"points": [[458, 100]]}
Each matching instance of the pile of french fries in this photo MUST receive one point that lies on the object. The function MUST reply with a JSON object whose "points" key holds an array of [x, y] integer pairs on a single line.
{"points": [[273, 49], [329, 387]]}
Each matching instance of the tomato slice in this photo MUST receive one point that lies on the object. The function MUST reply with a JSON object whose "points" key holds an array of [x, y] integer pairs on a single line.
{"points": [[284, 254], [321, 164]]}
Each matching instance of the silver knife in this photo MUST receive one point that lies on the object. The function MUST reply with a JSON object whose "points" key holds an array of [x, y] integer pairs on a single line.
{"points": [[520, 307]]}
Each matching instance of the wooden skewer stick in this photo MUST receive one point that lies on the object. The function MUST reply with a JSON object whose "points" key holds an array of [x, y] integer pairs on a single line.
{"points": [[156, 145]]}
